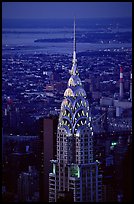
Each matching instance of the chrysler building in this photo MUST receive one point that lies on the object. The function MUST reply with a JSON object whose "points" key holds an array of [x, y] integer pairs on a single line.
{"points": [[74, 171]]}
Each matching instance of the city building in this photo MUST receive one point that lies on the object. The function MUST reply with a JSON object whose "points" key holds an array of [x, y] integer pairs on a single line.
{"points": [[131, 86], [28, 185], [19, 153], [48, 131], [75, 172]]}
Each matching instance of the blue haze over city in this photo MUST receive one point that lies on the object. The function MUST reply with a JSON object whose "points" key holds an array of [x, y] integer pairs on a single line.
{"points": [[37, 51]]}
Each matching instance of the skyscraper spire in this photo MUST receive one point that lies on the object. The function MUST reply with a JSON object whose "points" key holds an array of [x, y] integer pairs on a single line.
{"points": [[74, 48], [73, 70]]}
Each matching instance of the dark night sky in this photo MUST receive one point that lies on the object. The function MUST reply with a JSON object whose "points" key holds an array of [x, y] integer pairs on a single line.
{"points": [[38, 10]]}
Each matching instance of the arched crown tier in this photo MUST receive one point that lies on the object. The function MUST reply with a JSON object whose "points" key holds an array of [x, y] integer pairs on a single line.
{"points": [[74, 112]]}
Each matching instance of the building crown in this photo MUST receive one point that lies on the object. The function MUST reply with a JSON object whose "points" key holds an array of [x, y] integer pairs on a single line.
{"points": [[74, 113]]}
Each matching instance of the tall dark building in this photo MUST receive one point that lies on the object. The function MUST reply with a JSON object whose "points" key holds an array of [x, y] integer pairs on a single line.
{"points": [[48, 131]]}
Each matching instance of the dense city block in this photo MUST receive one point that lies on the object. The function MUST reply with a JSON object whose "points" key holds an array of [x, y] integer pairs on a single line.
{"points": [[38, 90]]}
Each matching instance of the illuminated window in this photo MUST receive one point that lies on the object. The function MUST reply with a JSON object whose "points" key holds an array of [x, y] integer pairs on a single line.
{"points": [[81, 122], [54, 171]]}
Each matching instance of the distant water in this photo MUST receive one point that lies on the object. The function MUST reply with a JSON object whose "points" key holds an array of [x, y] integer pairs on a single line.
{"points": [[68, 23], [18, 36]]}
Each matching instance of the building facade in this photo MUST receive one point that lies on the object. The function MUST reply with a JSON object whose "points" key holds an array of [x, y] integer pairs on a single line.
{"points": [[28, 186], [48, 131], [74, 170]]}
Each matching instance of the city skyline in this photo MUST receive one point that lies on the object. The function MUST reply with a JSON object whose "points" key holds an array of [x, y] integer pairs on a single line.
{"points": [[66, 116], [64, 10]]}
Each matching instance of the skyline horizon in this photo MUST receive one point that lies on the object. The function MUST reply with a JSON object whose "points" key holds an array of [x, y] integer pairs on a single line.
{"points": [[67, 18], [65, 10]]}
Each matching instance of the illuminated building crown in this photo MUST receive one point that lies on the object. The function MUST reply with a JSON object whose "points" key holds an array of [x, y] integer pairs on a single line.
{"points": [[75, 107]]}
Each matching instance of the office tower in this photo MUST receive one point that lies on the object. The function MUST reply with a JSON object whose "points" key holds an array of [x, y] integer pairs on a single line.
{"points": [[19, 153], [131, 87], [127, 175], [120, 152], [17, 162], [7, 120], [121, 83], [28, 185], [74, 171], [48, 131]]}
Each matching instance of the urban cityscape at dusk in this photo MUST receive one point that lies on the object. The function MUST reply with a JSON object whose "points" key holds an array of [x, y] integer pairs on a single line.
{"points": [[66, 101]]}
